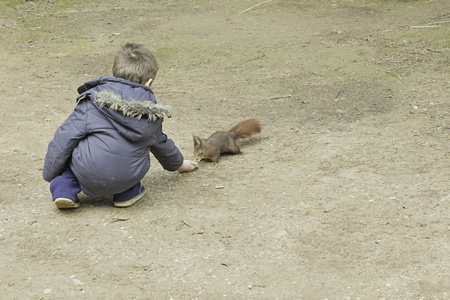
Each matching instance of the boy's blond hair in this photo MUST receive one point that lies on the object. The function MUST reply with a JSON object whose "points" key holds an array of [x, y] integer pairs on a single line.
{"points": [[135, 63]]}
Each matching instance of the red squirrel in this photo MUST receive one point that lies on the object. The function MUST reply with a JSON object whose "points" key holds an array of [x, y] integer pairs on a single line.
{"points": [[224, 141]]}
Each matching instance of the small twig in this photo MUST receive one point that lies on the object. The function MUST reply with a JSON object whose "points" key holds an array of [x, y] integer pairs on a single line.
{"points": [[116, 219], [150, 270], [424, 26], [434, 50], [37, 75], [338, 93], [445, 198], [392, 122], [242, 12], [186, 223], [400, 77], [275, 98]]}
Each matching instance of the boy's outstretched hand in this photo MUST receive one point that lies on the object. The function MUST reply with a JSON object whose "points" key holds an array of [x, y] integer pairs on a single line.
{"points": [[187, 166]]}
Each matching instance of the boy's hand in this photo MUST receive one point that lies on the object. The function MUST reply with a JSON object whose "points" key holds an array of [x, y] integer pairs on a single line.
{"points": [[187, 166]]}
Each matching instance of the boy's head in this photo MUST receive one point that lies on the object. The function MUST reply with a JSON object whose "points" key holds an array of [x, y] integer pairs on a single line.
{"points": [[135, 63]]}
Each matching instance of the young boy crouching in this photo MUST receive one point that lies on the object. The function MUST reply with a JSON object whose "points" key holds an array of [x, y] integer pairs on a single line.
{"points": [[103, 147]]}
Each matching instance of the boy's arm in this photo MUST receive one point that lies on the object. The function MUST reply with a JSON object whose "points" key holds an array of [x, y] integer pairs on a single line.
{"points": [[65, 140], [165, 151]]}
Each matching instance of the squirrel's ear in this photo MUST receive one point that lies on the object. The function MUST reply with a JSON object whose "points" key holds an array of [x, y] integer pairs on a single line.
{"points": [[197, 140]]}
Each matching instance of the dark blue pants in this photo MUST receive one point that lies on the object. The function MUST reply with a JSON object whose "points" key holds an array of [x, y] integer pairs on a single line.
{"points": [[66, 186]]}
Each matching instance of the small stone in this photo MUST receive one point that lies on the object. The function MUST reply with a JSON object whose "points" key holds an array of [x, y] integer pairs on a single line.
{"points": [[78, 282]]}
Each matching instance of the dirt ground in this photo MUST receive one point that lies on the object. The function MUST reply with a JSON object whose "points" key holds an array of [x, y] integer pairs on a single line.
{"points": [[344, 195]]}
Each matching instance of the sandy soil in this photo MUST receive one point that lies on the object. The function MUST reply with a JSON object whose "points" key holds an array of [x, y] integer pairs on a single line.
{"points": [[344, 195]]}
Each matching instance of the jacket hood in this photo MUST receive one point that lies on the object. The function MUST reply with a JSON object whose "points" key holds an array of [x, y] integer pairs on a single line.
{"points": [[130, 107], [129, 98]]}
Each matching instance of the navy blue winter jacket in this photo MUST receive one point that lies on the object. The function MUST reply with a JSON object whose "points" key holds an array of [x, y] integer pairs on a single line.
{"points": [[107, 139]]}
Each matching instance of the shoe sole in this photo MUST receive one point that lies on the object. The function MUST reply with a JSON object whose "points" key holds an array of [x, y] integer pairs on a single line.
{"points": [[63, 203], [131, 201]]}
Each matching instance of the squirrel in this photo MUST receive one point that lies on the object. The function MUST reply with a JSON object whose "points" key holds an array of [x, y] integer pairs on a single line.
{"points": [[224, 141]]}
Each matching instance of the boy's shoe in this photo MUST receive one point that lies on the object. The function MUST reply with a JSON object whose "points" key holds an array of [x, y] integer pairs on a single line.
{"points": [[63, 203], [125, 203]]}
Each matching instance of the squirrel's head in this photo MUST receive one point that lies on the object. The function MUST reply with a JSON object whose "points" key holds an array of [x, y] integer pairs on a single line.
{"points": [[199, 148]]}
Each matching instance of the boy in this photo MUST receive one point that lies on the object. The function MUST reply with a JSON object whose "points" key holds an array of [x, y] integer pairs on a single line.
{"points": [[103, 147]]}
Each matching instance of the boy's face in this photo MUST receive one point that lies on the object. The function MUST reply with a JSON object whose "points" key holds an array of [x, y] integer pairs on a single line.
{"points": [[148, 83]]}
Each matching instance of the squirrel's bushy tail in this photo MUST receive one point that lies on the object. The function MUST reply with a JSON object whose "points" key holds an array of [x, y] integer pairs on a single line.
{"points": [[245, 128]]}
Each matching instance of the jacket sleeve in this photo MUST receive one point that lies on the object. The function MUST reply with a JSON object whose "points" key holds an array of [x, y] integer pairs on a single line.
{"points": [[165, 151], [65, 140]]}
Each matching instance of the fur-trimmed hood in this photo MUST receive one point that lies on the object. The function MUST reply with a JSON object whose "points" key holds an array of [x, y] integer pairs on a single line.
{"points": [[132, 108], [115, 98], [129, 98]]}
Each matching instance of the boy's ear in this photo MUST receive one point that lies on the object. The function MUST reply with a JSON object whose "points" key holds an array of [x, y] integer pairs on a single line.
{"points": [[148, 83]]}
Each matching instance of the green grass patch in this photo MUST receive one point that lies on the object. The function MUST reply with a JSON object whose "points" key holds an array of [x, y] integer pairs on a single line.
{"points": [[7, 7], [64, 4], [164, 53], [18, 7]]}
